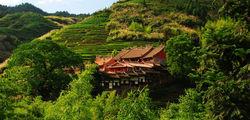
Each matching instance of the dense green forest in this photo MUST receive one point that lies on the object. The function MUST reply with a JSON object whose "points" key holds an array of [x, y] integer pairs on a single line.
{"points": [[206, 41]]}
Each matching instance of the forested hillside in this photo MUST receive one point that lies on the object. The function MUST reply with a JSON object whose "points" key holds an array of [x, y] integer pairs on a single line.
{"points": [[206, 43], [24, 23], [20, 27], [25, 7]]}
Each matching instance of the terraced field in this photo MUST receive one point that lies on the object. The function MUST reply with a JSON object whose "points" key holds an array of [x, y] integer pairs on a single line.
{"points": [[88, 37], [89, 51]]}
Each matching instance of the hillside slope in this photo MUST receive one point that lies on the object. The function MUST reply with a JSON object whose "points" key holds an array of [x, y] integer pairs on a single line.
{"points": [[21, 27], [126, 23]]}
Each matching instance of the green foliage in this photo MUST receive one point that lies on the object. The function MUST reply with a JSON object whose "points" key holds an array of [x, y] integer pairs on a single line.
{"points": [[73, 104], [181, 55], [91, 29], [114, 52], [216, 97], [7, 89], [136, 102], [190, 107], [228, 99], [221, 81], [21, 27], [134, 26], [41, 63], [148, 29], [28, 108], [62, 21], [77, 103], [26, 26], [237, 9], [25, 7], [132, 20], [63, 14], [199, 8], [14, 102], [225, 44]]}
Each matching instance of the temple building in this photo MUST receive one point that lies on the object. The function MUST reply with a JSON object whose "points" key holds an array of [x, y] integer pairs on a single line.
{"points": [[133, 67]]}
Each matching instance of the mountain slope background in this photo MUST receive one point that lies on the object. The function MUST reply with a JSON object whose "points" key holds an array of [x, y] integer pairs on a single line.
{"points": [[25, 22], [25, 7], [132, 23]]}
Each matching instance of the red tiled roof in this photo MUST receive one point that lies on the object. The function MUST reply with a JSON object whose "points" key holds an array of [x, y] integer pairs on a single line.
{"points": [[121, 54], [146, 65], [137, 52], [119, 65], [154, 52], [102, 60]]}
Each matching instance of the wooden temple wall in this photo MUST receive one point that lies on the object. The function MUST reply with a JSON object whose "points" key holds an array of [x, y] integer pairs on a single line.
{"points": [[116, 83], [133, 81]]}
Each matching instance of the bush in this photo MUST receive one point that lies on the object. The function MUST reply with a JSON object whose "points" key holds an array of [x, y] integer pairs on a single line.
{"points": [[134, 26], [190, 107]]}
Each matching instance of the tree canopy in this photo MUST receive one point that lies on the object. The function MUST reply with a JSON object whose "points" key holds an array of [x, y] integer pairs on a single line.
{"points": [[41, 64]]}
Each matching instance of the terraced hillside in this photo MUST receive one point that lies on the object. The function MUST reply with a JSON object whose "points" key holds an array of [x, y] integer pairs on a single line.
{"points": [[62, 21], [89, 37], [90, 30], [126, 23]]}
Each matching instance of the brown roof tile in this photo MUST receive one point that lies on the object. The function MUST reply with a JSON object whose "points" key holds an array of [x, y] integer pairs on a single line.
{"points": [[121, 54], [154, 51], [137, 52], [102, 60]]}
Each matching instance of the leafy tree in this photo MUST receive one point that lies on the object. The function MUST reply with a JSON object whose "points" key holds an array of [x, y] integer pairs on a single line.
{"points": [[41, 64], [190, 107], [222, 85], [225, 49], [74, 104], [200, 8], [237, 9], [225, 46], [136, 107], [228, 99], [223, 98], [181, 59], [7, 89]]}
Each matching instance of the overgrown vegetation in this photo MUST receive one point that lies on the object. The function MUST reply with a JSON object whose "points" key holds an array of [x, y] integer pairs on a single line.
{"points": [[221, 80]]}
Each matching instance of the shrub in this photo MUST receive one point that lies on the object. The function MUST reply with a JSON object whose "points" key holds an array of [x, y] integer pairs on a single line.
{"points": [[134, 26], [190, 107]]}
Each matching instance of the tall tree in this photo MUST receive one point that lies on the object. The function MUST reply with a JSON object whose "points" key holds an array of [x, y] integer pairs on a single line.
{"points": [[225, 44], [45, 61], [180, 51]]}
